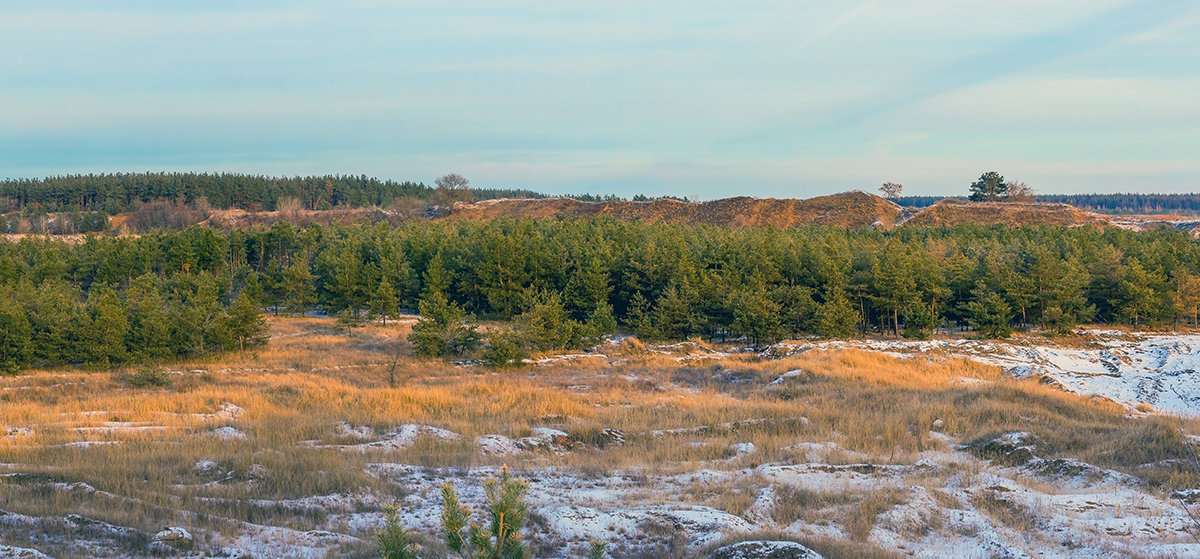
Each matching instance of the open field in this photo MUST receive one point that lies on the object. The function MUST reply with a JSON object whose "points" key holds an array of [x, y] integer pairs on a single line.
{"points": [[664, 451]]}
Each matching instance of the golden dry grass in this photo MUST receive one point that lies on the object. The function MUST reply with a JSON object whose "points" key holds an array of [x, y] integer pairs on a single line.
{"points": [[313, 376]]}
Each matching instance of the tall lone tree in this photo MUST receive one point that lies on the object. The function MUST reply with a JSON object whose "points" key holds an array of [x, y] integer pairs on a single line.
{"points": [[989, 187], [891, 190], [453, 188]]}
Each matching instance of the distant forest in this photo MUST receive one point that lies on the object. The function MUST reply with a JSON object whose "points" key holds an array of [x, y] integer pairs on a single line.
{"points": [[123, 192], [1129, 203], [563, 283]]}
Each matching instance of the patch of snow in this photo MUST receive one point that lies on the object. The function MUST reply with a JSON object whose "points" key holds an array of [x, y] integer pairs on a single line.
{"points": [[764, 549], [497, 445], [1158, 370], [10, 552]]}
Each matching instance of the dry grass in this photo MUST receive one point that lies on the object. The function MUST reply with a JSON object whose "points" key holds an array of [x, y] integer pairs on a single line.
{"points": [[313, 376]]}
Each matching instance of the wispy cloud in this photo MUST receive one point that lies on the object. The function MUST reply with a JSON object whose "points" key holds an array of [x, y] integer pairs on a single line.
{"points": [[779, 98]]}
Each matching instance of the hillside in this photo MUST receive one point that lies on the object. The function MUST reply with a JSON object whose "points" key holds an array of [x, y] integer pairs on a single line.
{"points": [[854, 209], [850, 209], [957, 212]]}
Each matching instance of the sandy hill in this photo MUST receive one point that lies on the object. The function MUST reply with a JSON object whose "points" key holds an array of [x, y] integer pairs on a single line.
{"points": [[957, 212], [849, 209]]}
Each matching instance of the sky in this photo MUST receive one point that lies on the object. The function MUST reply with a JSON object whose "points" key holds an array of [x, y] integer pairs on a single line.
{"points": [[703, 99]]}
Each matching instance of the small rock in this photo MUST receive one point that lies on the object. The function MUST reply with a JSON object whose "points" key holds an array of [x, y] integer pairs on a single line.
{"points": [[228, 433], [1010, 449], [762, 549], [742, 449], [938, 424], [175, 537], [205, 466]]}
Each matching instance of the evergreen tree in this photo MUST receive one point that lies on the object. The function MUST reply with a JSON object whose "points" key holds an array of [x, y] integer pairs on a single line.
{"points": [[549, 326], [245, 323], [297, 288], [756, 316], [105, 340], [894, 282], [384, 303], [919, 320], [442, 330], [1139, 295], [601, 323], [639, 316], [990, 186], [1185, 297], [16, 336], [587, 289], [150, 327], [989, 314], [673, 316], [499, 535], [837, 317], [504, 350], [797, 309]]}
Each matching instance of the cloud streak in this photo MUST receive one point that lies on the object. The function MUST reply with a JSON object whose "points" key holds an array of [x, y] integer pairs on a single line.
{"points": [[772, 98]]}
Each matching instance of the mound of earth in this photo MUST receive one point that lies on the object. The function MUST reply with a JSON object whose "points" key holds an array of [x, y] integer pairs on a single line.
{"points": [[850, 209], [957, 212]]}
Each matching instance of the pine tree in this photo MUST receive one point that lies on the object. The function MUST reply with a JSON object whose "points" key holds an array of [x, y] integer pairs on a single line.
{"points": [[442, 330], [756, 316], [499, 535], [297, 288], [989, 314], [587, 288], [990, 186], [150, 327], [394, 541], [1139, 296], [105, 340], [245, 322], [601, 323], [383, 303], [673, 316], [894, 282], [548, 324], [16, 336], [837, 318]]}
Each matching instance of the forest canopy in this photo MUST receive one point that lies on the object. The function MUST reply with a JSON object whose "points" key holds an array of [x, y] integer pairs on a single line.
{"points": [[188, 292], [122, 192]]}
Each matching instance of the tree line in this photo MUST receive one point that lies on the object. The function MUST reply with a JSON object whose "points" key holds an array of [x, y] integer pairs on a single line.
{"points": [[566, 282], [1125, 203], [123, 192]]}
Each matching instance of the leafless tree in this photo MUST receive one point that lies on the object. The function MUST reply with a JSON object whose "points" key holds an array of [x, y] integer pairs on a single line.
{"points": [[1017, 191], [452, 188], [891, 190]]}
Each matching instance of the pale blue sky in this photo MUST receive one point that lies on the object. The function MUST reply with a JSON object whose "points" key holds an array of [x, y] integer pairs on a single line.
{"points": [[704, 99]]}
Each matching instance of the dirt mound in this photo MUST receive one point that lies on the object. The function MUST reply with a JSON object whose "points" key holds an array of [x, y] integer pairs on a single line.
{"points": [[957, 212], [850, 209]]}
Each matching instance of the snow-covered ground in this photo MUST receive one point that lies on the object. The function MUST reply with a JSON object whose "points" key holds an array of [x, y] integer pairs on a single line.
{"points": [[948, 502], [1161, 371]]}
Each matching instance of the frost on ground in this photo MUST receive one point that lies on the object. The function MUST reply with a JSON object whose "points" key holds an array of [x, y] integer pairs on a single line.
{"points": [[1003, 496], [1161, 371], [995, 498]]}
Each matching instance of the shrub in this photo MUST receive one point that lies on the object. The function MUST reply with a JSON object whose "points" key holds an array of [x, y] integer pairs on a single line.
{"points": [[148, 377]]}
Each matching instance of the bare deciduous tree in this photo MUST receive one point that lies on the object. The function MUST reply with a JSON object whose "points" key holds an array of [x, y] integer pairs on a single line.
{"points": [[891, 190], [452, 188], [1018, 191]]}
